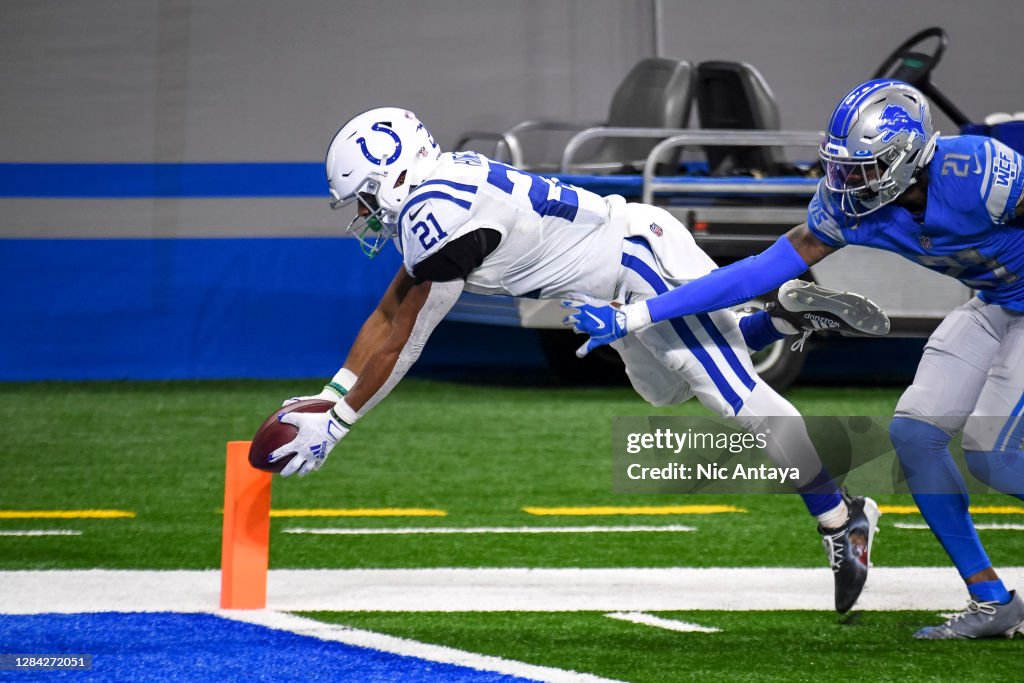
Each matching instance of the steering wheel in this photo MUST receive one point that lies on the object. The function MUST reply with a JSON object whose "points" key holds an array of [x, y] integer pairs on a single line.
{"points": [[910, 66], [907, 64]]}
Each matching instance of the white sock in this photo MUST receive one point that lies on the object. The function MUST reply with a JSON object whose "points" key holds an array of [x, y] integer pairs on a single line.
{"points": [[834, 518]]}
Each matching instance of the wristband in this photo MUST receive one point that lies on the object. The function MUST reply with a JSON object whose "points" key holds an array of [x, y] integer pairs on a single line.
{"points": [[344, 414], [337, 388], [342, 382]]}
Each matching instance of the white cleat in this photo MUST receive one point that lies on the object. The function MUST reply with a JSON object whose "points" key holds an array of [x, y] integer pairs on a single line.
{"points": [[814, 308]]}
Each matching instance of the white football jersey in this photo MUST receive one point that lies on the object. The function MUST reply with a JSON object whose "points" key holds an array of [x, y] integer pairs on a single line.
{"points": [[555, 239]]}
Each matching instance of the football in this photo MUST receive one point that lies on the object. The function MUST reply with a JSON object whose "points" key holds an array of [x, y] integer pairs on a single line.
{"points": [[273, 434]]}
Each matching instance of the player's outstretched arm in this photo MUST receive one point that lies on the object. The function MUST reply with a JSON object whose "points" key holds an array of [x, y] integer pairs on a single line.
{"points": [[422, 308], [371, 336], [379, 324], [390, 342], [786, 259]]}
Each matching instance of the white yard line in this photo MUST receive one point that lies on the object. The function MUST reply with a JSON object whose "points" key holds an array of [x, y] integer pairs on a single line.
{"points": [[979, 527], [645, 619], [483, 590], [41, 532], [489, 530], [409, 648]]}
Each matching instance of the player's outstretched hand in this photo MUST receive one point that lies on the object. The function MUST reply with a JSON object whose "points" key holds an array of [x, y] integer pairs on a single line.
{"points": [[318, 433], [601, 321]]}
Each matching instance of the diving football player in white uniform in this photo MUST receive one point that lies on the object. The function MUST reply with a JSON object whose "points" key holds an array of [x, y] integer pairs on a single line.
{"points": [[466, 223]]}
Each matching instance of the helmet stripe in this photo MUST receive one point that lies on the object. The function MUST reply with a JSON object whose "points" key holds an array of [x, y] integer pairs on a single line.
{"points": [[843, 116]]}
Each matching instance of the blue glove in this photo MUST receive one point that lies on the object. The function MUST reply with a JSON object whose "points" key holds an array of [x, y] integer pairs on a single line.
{"points": [[603, 322]]}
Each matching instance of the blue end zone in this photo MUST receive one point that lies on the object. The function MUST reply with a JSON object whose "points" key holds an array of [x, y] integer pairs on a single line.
{"points": [[202, 647]]}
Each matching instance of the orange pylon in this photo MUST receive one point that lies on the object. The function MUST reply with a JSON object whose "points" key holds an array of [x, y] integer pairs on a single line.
{"points": [[245, 544]]}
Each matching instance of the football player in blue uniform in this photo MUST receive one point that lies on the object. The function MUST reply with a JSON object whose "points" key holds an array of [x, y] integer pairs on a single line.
{"points": [[463, 222], [956, 206]]}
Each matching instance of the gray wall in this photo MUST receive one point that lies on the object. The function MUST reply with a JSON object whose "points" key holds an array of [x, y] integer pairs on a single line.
{"points": [[259, 80], [811, 52], [117, 80], [138, 80]]}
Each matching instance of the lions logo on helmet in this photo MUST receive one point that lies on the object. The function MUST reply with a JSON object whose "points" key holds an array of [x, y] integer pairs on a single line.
{"points": [[895, 119], [878, 138], [372, 164]]}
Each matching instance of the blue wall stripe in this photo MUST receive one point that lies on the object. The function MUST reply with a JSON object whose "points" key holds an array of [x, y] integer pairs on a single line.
{"points": [[184, 308], [191, 180], [209, 308], [686, 334], [257, 179]]}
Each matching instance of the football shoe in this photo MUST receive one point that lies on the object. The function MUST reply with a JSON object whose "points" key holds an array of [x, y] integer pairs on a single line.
{"points": [[849, 549], [812, 308], [980, 620]]}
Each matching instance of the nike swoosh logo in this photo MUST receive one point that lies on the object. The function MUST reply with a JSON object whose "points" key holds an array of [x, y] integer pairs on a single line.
{"points": [[600, 323], [977, 166], [412, 216], [342, 175]]}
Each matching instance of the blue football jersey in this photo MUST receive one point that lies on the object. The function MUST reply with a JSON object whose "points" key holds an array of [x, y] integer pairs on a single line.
{"points": [[969, 230]]}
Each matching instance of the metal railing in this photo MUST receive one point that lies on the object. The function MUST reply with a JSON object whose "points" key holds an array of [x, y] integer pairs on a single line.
{"points": [[732, 138]]}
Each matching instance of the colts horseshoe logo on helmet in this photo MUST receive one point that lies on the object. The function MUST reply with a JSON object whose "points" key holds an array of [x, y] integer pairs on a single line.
{"points": [[381, 127]]}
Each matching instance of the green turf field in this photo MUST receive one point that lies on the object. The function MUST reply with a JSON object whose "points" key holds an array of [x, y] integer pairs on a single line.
{"points": [[481, 454], [752, 646]]}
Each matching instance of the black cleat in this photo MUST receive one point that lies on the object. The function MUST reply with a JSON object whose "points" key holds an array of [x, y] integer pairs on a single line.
{"points": [[849, 550], [812, 308]]}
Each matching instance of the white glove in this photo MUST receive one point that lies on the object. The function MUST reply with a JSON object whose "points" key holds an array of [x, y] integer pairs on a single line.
{"points": [[318, 433], [335, 390]]}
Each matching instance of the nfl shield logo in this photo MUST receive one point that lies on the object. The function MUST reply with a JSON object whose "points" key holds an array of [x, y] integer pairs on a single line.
{"points": [[656, 229], [926, 242]]}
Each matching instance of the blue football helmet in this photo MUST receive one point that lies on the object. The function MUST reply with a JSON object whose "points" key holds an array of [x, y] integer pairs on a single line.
{"points": [[878, 138]]}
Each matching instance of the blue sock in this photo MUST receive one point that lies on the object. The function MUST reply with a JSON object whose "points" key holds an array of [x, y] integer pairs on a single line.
{"points": [[989, 591], [1002, 470], [939, 491], [820, 494], [759, 331]]}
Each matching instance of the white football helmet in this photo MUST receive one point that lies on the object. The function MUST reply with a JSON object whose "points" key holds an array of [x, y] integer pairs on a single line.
{"points": [[373, 162], [878, 138]]}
